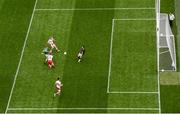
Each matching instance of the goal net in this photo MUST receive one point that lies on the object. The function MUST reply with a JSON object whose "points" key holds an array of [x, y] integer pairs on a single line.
{"points": [[167, 51]]}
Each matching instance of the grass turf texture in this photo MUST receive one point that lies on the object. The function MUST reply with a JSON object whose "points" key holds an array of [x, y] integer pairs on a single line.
{"points": [[169, 87], [85, 84], [14, 20], [128, 47]]}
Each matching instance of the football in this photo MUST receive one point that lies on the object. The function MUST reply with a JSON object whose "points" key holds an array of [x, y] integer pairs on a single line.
{"points": [[65, 53]]}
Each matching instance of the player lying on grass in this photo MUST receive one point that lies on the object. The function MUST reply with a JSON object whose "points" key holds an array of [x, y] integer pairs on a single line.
{"points": [[49, 59], [45, 51], [81, 53], [58, 86], [51, 42]]}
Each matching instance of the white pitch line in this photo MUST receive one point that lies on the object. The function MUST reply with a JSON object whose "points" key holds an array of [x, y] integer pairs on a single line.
{"points": [[86, 9], [166, 36], [110, 56], [22, 53], [134, 92], [136, 19], [41, 109], [157, 11]]}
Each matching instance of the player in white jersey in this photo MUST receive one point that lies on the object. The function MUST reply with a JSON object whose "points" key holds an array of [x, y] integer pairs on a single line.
{"points": [[49, 59], [58, 86], [51, 42]]}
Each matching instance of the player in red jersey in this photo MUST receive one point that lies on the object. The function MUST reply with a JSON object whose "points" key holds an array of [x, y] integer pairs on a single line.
{"points": [[49, 59]]}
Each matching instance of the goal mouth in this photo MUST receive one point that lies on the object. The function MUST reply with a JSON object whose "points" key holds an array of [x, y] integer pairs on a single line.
{"points": [[167, 50]]}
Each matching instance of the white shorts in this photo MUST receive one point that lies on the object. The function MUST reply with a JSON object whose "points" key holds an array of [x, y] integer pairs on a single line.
{"points": [[53, 45], [79, 55]]}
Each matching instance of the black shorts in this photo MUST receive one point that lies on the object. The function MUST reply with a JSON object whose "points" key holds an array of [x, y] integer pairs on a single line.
{"points": [[79, 57]]}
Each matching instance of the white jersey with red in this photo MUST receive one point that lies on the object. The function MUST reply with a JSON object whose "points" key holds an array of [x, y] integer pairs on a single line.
{"points": [[51, 42], [58, 85], [49, 59]]}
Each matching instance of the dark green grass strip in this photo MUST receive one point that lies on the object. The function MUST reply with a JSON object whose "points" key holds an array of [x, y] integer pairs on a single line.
{"points": [[14, 20], [170, 98], [167, 6], [177, 13]]}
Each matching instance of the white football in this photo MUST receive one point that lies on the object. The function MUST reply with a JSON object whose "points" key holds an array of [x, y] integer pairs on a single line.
{"points": [[65, 53]]}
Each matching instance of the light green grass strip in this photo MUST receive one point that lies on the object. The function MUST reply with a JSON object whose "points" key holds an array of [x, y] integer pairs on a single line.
{"points": [[170, 78]]}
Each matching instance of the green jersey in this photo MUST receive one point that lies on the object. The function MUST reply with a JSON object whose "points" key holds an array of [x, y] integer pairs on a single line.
{"points": [[46, 50]]}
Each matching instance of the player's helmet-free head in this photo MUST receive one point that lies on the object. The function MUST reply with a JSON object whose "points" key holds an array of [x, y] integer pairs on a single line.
{"points": [[58, 78]]}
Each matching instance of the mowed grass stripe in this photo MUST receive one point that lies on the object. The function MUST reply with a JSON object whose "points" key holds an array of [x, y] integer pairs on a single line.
{"points": [[22, 54], [14, 20], [86, 82]]}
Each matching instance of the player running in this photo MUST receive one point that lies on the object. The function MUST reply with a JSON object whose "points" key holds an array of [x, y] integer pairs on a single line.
{"points": [[51, 42], [81, 53], [58, 86], [49, 60]]}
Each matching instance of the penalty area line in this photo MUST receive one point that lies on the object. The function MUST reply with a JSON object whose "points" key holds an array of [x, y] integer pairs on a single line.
{"points": [[41, 109], [110, 56]]}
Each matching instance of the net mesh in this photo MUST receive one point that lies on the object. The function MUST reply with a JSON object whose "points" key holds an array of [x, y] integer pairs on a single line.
{"points": [[166, 39]]}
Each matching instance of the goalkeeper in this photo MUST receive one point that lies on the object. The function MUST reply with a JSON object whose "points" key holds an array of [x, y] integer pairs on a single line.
{"points": [[81, 53], [45, 51]]}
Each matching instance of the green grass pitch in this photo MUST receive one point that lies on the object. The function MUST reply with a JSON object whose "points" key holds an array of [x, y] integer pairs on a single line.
{"points": [[118, 72]]}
